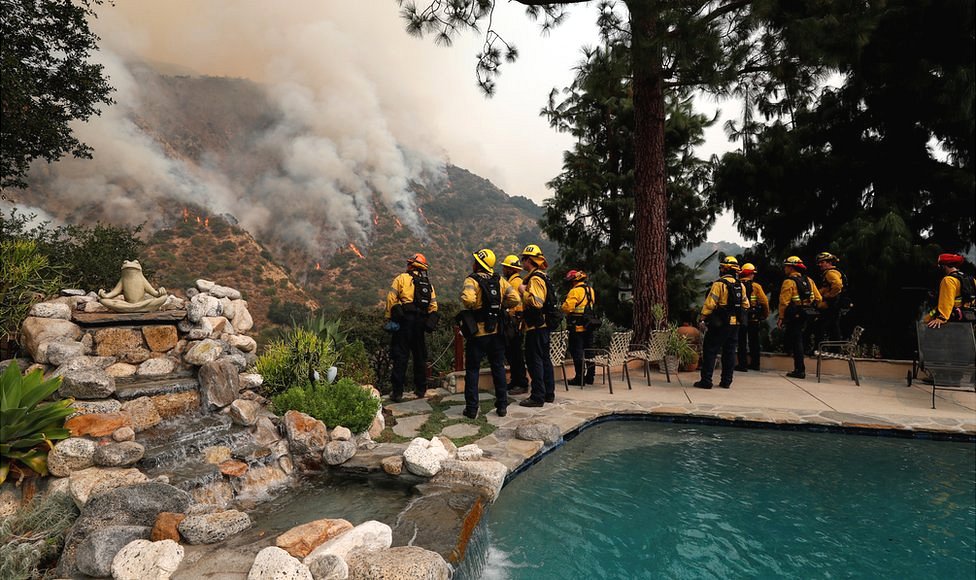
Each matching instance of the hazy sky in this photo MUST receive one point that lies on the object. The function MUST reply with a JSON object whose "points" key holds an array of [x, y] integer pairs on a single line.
{"points": [[425, 93]]}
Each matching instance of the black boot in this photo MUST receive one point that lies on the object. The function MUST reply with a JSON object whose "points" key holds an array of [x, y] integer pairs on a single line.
{"points": [[575, 381]]}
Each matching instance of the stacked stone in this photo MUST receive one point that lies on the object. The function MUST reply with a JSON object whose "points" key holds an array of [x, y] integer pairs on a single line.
{"points": [[218, 312]]}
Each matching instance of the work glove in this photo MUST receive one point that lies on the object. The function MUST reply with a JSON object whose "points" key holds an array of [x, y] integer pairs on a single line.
{"points": [[391, 326]]}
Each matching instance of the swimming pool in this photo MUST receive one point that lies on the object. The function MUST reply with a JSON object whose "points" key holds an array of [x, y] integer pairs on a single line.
{"points": [[661, 500]]}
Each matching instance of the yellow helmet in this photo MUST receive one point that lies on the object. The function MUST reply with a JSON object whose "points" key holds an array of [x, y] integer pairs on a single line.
{"points": [[534, 253], [729, 263], [512, 261], [748, 269], [826, 257], [486, 258], [795, 262]]}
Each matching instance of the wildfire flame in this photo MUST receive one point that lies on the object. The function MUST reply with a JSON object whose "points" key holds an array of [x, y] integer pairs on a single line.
{"points": [[198, 220], [318, 266], [206, 222], [421, 210], [376, 219], [399, 225], [353, 247], [186, 214]]}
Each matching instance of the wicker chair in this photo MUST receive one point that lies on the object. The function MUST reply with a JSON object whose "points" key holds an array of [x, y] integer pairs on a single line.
{"points": [[607, 358], [653, 351], [558, 341], [842, 350]]}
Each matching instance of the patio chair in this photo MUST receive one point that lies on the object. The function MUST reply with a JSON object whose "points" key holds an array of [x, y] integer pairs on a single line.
{"points": [[607, 358], [841, 350], [653, 351], [947, 357], [558, 341]]}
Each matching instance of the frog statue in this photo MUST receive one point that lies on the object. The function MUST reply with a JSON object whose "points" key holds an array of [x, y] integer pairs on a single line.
{"points": [[138, 293]]}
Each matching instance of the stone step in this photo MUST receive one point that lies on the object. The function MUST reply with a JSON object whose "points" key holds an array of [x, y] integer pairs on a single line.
{"points": [[128, 388], [180, 440]]}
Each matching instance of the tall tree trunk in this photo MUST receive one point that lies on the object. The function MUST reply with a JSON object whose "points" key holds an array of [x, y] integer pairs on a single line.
{"points": [[650, 195]]}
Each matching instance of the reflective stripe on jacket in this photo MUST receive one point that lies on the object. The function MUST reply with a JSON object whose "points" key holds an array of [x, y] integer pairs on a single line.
{"points": [[471, 300], [401, 292]]}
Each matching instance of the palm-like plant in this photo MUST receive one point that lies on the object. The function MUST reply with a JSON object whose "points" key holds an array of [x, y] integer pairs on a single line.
{"points": [[28, 427]]}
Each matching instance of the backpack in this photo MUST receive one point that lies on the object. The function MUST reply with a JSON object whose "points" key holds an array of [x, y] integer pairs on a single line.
{"points": [[588, 319], [722, 315], [491, 301], [799, 311], [422, 292], [549, 315], [842, 300], [967, 287]]}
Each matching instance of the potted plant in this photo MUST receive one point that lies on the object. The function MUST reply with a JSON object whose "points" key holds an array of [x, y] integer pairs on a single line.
{"points": [[678, 350]]}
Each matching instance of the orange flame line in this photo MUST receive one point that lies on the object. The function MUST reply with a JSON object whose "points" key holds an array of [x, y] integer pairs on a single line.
{"points": [[353, 247]]}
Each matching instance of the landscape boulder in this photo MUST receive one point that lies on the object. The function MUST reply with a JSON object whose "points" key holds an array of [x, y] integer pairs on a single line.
{"points": [[213, 527], [119, 454], [307, 437], [37, 333], [301, 540], [273, 563], [96, 553], [370, 536], [219, 384], [411, 562], [145, 560], [87, 384]]}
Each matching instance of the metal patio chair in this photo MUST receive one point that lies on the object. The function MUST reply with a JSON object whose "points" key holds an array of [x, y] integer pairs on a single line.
{"points": [[841, 350], [558, 341], [947, 357], [607, 358], [653, 351]]}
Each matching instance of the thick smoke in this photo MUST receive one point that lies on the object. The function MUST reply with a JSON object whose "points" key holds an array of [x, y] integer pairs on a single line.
{"points": [[332, 150]]}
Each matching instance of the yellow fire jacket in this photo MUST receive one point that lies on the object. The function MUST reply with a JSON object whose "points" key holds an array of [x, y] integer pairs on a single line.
{"points": [[471, 299], [578, 298], [718, 296], [516, 281], [401, 292], [833, 286], [788, 294], [949, 297], [533, 294], [757, 299]]}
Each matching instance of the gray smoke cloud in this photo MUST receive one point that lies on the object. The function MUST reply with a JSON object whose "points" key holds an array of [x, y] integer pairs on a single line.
{"points": [[338, 145]]}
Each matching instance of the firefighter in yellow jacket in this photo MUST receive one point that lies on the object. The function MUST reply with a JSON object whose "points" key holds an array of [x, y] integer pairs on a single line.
{"points": [[578, 308], [957, 294], [835, 291], [518, 384], [484, 298], [723, 313], [411, 307], [538, 301], [797, 294], [756, 315]]}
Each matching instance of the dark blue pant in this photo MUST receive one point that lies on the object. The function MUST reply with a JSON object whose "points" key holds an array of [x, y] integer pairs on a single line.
{"points": [[722, 339], [515, 355], [475, 349], [579, 343], [793, 343], [410, 339], [538, 361], [749, 346]]}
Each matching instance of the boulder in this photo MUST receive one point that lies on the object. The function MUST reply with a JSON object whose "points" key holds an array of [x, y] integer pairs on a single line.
{"points": [[61, 351], [241, 342], [142, 413], [242, 317], [145, 560], [173, 404], [160, 338], [218, 325], [338, 452], [393, 465], [165, 527], [155, 367], [136, 356], [538, 431], [228, 308], [121, 369], [265, 431], [204, 285], [369, 536], [119, 454], [423, 457], [469, 453], [116, 341], [51, 310], [237, 359], [244, 412], [124, 434], [96, 424], [69, 455], [96, 553], [173, 303], [201, 352], [307, 437], [213, 527], [219, 291], [341, 434], [378, 425], [329, 567], [233, 468], [219, 384], [274, 563], [38, 333], [411, 562], [301, 540], [216, 454], [87, 384], [250, 380], [448, 446], [487, 476], [92, 307], [202, 305], [84, 363], [109, 406], [86, 484]]}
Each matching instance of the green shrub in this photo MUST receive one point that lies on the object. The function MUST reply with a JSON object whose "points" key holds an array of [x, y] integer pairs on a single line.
{"points": [[31, 538], [289, 361], [26, 277], [355, 364], [345, 403], [28, 426]]}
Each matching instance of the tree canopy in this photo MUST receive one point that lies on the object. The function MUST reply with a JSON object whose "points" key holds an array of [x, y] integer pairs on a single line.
{"points": [[46, 81]]}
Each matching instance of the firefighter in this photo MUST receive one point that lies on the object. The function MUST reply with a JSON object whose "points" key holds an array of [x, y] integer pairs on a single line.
{"points": [[411, 305], [484, 298], [835, 292], [797, 296], [578, 308], [755, 317], [957, 294], [514, 333], [723, 313], [539, 313]]}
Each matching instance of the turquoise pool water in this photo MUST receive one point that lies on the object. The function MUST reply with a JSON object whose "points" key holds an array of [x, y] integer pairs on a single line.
{"points": [[660, 500]]}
